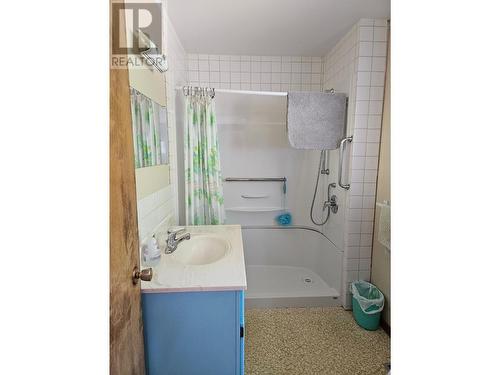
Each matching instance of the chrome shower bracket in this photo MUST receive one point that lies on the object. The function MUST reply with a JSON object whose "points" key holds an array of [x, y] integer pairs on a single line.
{"points": [[324, 167]]}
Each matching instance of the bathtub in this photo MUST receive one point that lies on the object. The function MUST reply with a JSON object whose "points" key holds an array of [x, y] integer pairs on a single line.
{"points": [[292, 266]]}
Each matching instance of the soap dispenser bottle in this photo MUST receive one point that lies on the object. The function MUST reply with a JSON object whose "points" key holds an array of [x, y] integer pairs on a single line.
{"points": [[151, 252]]}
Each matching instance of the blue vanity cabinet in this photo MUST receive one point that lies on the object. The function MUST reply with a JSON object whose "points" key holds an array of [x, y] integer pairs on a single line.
{"points": [[190, 333]]}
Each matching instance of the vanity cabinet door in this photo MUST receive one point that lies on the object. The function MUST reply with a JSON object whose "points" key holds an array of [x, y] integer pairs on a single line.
{"points": [[193, 333], [242, 332]]}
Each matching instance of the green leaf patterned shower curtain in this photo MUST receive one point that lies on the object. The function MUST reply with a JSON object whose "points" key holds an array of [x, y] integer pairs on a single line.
{"points": [[204, 199]]}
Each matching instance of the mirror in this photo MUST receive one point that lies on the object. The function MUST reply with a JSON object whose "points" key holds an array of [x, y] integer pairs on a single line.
{"points": [[152, 158]]}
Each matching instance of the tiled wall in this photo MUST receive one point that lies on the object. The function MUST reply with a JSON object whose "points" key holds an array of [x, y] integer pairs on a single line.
{"points": [[163, 204], [260, 73], [357, 65], [153, 210]]}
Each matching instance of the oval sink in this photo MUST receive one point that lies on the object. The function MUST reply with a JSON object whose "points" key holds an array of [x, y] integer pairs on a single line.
{"points": [[201, 250]]}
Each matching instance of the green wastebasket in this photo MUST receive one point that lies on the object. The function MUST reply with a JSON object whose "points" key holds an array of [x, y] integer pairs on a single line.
{"points": [[367, 304]]}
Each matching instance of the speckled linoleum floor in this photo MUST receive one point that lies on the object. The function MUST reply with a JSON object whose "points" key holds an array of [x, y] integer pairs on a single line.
{"points": [[312, 341]]}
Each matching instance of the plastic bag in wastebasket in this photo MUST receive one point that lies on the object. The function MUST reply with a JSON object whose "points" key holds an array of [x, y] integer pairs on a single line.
{"points": [[370, 299]]}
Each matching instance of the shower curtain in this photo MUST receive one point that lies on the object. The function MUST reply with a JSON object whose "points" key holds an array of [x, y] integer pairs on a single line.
{"points": [[204, 199]]}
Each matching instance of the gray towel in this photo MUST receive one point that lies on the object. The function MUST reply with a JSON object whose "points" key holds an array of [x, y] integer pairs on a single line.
{"points": [[316, 120]]}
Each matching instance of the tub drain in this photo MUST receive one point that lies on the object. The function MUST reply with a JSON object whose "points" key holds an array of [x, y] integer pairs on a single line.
{"points": [[307, 280]]}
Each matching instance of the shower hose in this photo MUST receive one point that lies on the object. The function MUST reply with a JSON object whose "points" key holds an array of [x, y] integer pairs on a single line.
{"points": [[321, 158]]}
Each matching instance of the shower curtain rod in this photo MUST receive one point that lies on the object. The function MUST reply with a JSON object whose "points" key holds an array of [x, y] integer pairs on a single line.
{"points": [[270, 93], [230, 91]]}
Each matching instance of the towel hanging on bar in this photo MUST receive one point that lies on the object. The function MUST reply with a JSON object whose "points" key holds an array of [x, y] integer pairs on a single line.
{"points": [[316, 120]]}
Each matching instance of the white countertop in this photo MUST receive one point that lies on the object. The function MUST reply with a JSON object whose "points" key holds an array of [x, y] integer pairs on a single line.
{"points": [[225, 274]]}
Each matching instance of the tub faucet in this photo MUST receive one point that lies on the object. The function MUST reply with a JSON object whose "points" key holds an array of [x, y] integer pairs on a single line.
{"points": [[175, 237]]}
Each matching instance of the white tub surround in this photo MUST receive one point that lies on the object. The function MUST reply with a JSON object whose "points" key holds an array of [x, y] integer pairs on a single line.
{"points": [[171, 274]]}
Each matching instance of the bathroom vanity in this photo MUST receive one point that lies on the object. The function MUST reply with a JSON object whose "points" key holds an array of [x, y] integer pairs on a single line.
{"points": [[193, 308]]}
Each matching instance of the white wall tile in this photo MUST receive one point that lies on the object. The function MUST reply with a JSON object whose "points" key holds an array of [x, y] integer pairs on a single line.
{"points": [[235, 77], [224, 66], [203, 65], [364, 275], [296, 67], [356, 188], [370, 175], [193, 76], [368, 200], [356, 201], [366, 48], [369, 188], [352, 252], [193, 64], [371, 162], [255, 77], [352, 264], [364, 78], [364, 64], [373, 135], [276, 67], [225, 77], [204, 77], [357, 163], [353, 239], [365, 240], [380, 34], [375, 107], [214, 65], [379, 49], [265, 66], [360, 135], [255, 66], [365, 264], [365, 251], [377, 93], [315, 67], [357, 175], [235, 66], [360, 121], [355, 214], [363, 93], [354, 226], [362, 107], [366, 33], [215, 77], [245, 66], [377, 79], [378, 64], [367, 227], [359, 149], [265, 77], [245, 77], [374, 122]]}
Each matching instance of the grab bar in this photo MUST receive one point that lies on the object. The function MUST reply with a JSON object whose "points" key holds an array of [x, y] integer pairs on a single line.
{"points": [[341, 161], [254, 196], [233, 179]]}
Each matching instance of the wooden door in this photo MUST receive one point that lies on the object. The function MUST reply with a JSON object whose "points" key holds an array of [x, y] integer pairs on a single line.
{"points": [[126, 338]]}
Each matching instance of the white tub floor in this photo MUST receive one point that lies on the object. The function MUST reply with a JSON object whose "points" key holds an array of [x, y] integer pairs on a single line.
{"points": [[287, 287]]}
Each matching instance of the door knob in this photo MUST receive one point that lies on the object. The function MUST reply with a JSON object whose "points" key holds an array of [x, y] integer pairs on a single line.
{"points": [[145, 275]]}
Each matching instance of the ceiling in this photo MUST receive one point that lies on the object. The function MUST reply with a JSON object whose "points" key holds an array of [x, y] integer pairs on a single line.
{"points": [[268, 27]]}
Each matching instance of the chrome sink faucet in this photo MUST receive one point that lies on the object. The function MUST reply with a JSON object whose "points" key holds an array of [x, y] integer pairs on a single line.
{"points": [[175, 237]]}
